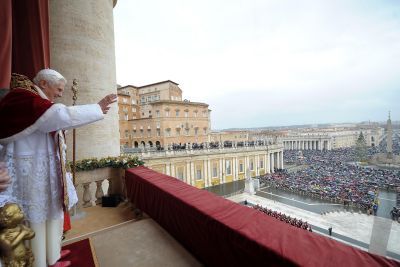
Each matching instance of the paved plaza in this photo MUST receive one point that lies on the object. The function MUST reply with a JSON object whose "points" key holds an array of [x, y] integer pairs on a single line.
{"points": [[349, 227]]}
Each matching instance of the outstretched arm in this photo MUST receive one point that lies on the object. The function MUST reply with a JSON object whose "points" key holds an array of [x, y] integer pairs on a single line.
{"points": [[61, 117]]}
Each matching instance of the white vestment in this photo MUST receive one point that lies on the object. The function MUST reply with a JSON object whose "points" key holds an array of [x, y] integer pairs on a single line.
{"points": [[33, 163]]}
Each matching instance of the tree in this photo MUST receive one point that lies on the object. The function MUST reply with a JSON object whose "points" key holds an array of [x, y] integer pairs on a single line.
{"points": [[361, 148]]}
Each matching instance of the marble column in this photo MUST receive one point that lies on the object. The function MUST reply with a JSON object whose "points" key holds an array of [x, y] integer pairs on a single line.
{"points": [[224, 170], [272, 163], [192, 173], [205, 173], [257, 165], [235, 168], [267, 165], [82, 48], [277, 161], [209, 178], [221, 172], [246, 163], [187, 178], [172, 170]]}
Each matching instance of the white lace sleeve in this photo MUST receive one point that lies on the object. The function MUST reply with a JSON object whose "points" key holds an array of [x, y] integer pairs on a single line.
{"points": [[61, 117]]}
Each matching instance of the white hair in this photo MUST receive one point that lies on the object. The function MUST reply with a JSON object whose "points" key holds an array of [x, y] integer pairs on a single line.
{"points": [[51, 76]]}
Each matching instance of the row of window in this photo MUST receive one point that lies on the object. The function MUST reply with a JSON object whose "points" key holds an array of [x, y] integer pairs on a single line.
{"points": [[126, 117], [141, 133], [125, 109], [168, 132], [125, 101], [215, 169], [167, 113], [186, 131], [177, 113], [149, 98]]}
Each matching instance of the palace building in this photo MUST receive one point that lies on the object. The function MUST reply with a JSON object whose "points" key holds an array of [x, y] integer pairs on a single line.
{"points": [[155, 115]]}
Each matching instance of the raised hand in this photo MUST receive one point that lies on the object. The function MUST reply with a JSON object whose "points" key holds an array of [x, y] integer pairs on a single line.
{"points": [[106, 102]]}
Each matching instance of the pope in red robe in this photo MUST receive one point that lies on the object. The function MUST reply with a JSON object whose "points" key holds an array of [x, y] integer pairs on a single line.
{"points": [[33, 147]]}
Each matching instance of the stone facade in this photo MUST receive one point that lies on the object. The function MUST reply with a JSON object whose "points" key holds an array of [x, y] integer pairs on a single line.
{"points": [[155, 115], [233, 136], [208, 167], [330, 138]]}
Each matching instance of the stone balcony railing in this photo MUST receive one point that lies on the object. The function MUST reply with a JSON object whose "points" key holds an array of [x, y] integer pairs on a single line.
{"points": [[92, 185]]}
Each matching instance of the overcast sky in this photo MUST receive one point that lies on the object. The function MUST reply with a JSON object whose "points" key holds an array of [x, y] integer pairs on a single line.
{"points": [[267, 63]]}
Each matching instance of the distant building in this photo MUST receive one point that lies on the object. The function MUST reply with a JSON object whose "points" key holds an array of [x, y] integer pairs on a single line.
{"points": [[229, 136], [330, 138], [155, 115], [208, 167]]}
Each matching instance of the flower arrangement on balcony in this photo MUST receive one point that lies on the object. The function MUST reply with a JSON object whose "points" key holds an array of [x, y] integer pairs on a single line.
{"points": [[123, 162]]}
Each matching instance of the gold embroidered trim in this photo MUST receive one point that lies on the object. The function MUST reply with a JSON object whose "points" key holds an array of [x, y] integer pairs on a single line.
{"points": [[22, 82]]}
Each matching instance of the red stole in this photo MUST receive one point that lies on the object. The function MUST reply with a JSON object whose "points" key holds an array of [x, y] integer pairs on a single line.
{"points": [[20, 109]]}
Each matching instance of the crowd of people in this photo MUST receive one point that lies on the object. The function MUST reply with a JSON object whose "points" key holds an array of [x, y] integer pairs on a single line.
{"points": [[284, 218], [381, 148], [329, 176]]}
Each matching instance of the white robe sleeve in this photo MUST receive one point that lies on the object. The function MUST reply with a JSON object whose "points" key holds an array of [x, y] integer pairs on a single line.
{"points": [[61, 117]]}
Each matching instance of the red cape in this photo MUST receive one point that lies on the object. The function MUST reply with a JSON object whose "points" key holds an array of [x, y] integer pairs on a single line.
{"points": [[20, 109]]}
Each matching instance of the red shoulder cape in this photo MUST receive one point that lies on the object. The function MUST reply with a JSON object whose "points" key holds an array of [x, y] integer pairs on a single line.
{"points": [[20, 109]]}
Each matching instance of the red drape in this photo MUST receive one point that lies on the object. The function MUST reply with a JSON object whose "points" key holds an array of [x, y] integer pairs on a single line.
{"points": [[25, 31], [222, 233], [5, 48]]}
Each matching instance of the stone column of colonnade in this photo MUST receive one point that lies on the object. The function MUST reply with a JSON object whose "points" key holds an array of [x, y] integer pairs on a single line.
{"points": [[173, 174], [209, 172], [272, 163], [278, 160], [205, 173], [82, 47], [188, 172]]}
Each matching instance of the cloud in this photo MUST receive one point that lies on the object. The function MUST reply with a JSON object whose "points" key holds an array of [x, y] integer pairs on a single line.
{"points": [[292, 63]]}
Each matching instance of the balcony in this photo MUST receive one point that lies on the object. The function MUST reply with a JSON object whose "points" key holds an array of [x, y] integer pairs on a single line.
{"points": [[218, 232]]}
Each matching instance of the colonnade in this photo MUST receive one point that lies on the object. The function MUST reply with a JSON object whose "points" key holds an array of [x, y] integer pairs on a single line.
{"points": [[207, 170], [316, 144]]}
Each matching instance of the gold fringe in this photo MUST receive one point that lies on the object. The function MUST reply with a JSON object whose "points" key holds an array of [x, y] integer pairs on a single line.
{"points": [[96, 263], [63, 171]]}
